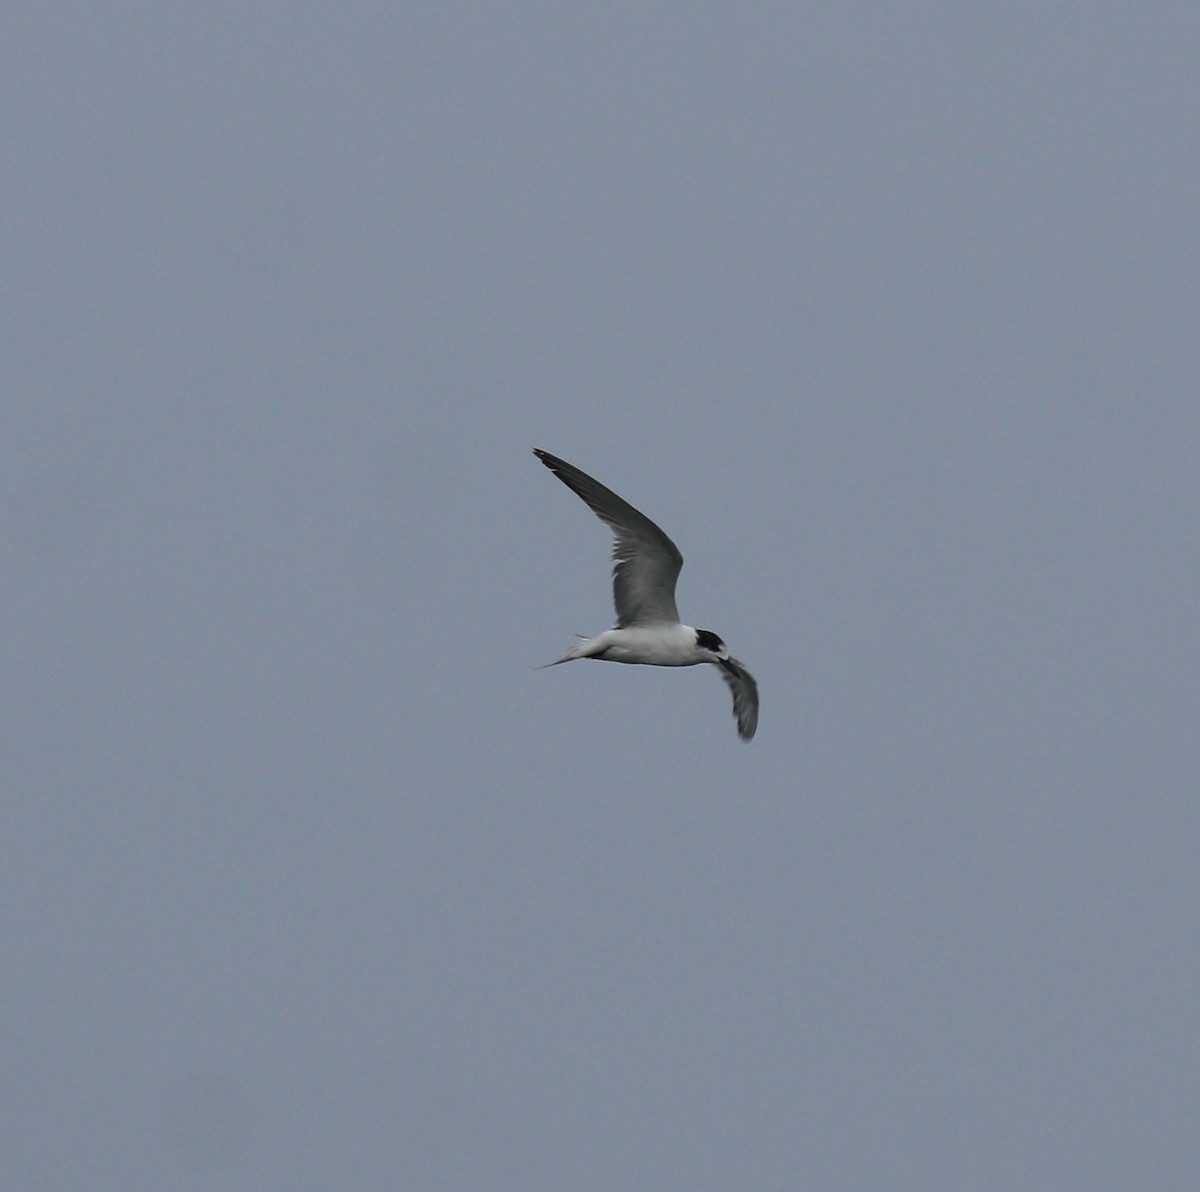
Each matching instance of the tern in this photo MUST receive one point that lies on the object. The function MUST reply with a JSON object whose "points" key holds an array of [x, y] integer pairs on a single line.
{"points": [[645, 568]]}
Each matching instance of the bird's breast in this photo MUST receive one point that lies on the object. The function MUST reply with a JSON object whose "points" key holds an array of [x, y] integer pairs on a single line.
{"points": [[652, 645]]}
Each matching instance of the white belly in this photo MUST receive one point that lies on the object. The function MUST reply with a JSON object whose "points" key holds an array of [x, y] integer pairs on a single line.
{"points": [[650, 645]]}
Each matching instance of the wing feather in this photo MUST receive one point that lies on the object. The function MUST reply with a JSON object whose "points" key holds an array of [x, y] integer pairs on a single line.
{"points": [[745, 696], [646, 563]]}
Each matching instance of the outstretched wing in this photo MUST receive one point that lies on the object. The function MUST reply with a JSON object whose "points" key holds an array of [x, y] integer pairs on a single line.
{"points": [[745, 695], [646, 562]]}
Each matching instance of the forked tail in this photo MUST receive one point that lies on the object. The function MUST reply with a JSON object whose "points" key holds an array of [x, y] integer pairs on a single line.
{"points": [[579, 651]]}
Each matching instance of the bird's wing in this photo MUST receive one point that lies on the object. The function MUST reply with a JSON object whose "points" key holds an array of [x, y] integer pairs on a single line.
{"points": [[646, 562], [745, 695]]}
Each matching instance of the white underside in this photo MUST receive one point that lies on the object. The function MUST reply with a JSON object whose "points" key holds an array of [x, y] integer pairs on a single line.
{"points": [[650, 645]]}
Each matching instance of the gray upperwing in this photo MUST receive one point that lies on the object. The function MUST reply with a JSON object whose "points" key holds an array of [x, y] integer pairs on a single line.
{"points": [[646, 562], [745, 696]]}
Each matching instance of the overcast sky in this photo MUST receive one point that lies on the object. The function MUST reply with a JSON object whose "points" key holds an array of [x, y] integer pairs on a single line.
{"points": [[311, 879]]}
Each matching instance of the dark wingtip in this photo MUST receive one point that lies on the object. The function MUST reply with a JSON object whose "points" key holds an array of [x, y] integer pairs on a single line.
{"points": [[559, 466]]}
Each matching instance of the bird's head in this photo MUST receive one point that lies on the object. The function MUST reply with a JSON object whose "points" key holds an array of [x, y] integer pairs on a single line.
{"points": [[710, 642]]}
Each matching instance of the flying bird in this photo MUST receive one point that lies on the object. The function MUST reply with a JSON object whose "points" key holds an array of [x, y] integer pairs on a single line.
{"points": [[645, 568]]}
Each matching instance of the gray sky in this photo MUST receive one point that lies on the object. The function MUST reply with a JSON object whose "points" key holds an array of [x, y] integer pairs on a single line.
{"points": [[311, 880]]}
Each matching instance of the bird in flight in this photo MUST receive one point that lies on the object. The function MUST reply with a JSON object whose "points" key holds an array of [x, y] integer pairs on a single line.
{"points": [[645, 567]]}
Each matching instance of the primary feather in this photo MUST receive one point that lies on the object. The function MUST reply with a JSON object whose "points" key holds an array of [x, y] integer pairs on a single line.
{"points": [[646, 563]]}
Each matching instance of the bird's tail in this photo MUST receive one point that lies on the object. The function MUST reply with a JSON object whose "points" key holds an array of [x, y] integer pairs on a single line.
{"points": [[579, 651]]}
